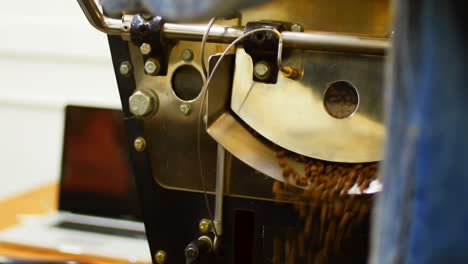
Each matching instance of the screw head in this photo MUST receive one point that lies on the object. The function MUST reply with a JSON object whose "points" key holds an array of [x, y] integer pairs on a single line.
{"points": [[142, 103], [139, 144], [125, 68], [152, 66], [145, 48], [262, 70], [160, 257], [297, 28], [187, 55], [204, 226], [191, 252], [185, 109]]}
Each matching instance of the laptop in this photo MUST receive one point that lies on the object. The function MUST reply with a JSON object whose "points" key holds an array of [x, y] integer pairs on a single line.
{"points": [[98, 212]]}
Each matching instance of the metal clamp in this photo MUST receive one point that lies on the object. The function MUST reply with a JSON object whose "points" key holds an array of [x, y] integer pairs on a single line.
{"points": [[262, 47], [222, 34], [146, 33]]}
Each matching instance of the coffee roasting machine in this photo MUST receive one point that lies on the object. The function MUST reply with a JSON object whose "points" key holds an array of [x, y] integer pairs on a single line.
{"points": [[255, 137]]}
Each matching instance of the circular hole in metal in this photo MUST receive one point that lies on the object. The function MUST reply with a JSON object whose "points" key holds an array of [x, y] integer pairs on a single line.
{"points": [[341, 99], [259, 36], [187, 82]]}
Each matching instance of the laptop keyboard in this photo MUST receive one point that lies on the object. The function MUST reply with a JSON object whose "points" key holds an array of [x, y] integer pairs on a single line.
{"points": [[101, 229]]}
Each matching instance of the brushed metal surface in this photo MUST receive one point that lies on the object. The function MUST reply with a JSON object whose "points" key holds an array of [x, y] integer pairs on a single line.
{"points": [[357, 17], [313, 40], [172, 134], [291, 113]]}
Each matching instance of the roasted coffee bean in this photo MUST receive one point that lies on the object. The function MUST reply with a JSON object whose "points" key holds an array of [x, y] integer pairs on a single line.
{"points": [[282, 162], [330, 236], [287, 171], [301, 245], [313, 168], [281, 154], [297, 179], [364, 185], [276, 251], [330, 215], [321, 167], [303, 181], [308, 223], [276, 187], [302, 209]]}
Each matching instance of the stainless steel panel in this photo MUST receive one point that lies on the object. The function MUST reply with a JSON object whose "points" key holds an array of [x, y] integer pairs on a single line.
{"points": [[291, 113], [371, 18], [172, 134]]}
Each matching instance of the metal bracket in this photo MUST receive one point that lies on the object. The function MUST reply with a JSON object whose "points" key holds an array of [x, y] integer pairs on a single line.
{"points": [[263, 48], [148, 31]]}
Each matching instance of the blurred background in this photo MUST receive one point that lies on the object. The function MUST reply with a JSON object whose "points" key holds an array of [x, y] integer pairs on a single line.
{"points": [[49, 56]]}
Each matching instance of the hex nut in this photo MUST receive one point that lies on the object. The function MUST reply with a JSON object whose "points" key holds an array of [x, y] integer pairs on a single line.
{"points": [[185, 109], [160, 257], [152, 66], [262, 70], [143, 103], [145, 48], [139, 144], [125, 68], [187, 55], [205, 225], [297, 28]]}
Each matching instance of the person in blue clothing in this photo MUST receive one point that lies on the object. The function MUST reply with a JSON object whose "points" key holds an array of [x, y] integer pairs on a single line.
{"points": [[421, 215]]}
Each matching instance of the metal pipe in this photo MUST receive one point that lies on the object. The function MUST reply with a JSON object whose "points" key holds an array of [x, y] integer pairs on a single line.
{"points": [[332, 42], [220, 169], [300, 40], [98, 20], [196, 31]]}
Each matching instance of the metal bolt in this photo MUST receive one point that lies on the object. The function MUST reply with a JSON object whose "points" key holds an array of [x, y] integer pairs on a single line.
{"points": [[139, 144], [125, 68], [152, 66], [191, 252], [142, 103], [145, 48], [185, 108], [204, 226], [296, 28], [187, 55], [160, 257], [262, 70], [207, 241]]}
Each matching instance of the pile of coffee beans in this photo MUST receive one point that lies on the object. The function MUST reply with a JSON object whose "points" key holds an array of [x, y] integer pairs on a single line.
{"points": [[332, 220]]}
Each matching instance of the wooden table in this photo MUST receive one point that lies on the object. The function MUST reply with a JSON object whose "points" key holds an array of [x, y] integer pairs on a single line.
{"points": [[39, 201]]}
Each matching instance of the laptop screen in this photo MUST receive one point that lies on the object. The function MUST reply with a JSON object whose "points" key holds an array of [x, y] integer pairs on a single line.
{"points": [[96, 175]]}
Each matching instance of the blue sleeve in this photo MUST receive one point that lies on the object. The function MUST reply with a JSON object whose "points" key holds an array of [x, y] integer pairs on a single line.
{"points": [[422, 214]]}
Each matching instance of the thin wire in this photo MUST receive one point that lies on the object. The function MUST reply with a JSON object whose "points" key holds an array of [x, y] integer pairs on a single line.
{"points": [[203, 44], [280, 47], [206, 85], [200, 165]]}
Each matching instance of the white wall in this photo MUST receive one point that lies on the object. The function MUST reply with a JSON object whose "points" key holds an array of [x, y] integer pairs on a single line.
{"points": [[49, 56]]}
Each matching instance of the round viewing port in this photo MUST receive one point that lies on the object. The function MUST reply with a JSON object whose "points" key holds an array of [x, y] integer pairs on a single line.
{"points": [[187, 82], [341, 99]]}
